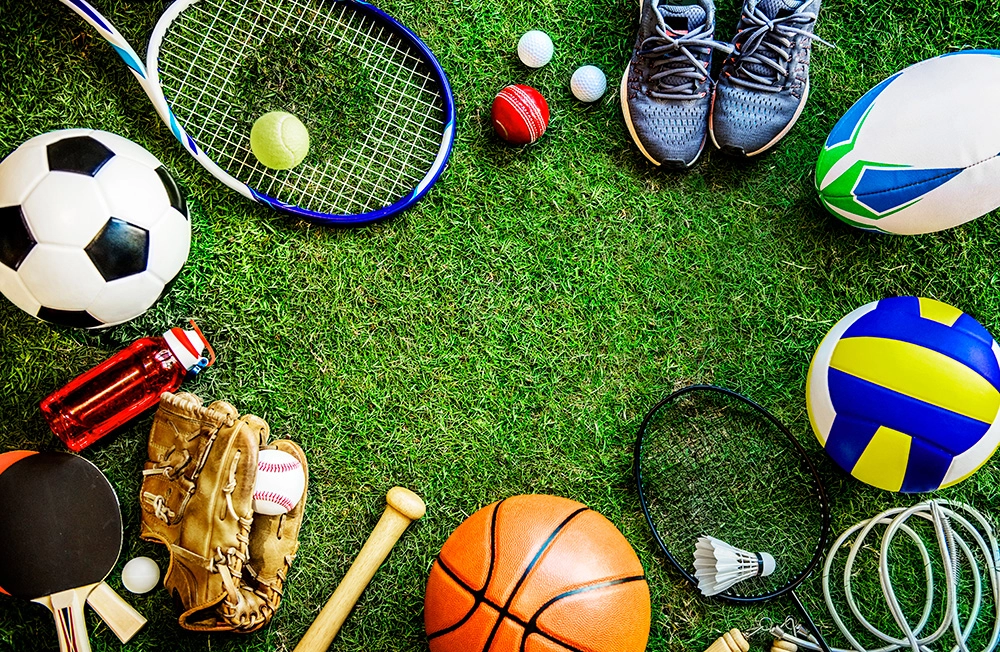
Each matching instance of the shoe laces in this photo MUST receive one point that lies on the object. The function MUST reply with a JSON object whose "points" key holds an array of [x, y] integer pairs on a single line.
{"points": [[675, 57], [763, 46]]}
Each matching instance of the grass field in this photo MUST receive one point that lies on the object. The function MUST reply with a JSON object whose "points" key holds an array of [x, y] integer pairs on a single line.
{"points": [[508, 334]]}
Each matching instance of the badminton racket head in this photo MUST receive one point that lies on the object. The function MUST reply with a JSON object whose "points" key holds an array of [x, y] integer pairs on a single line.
{"points": [[195, 56], [709, 461]]}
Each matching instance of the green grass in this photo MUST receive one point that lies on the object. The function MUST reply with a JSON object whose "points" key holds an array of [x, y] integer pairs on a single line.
{"points": [[508, 334]]}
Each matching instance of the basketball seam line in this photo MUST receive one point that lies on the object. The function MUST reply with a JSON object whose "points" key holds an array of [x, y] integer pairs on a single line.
{"points": [[530, 627], [478, 596], [527, 571]]}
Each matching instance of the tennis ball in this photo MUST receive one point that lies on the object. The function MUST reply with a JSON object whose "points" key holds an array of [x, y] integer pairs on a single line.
{"points": [[279, 140]]}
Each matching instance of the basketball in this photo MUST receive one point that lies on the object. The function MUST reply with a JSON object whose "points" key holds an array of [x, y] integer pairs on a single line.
{"points": [[537, 574], [904, 394]]}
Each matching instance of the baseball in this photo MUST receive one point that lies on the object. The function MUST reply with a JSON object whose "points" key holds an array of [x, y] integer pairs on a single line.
{"points": [[280, 483], [140, 575]]}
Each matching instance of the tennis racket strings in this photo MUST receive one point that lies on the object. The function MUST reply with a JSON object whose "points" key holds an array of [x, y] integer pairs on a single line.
{"points": [[710, 462], [197, 47]]}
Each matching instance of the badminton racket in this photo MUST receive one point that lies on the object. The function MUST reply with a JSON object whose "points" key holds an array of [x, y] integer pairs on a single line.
{"points": [[192, 76], [709, 461]]}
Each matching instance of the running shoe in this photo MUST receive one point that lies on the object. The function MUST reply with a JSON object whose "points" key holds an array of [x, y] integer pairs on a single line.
{"points": [[764, 84], [666, 91]]}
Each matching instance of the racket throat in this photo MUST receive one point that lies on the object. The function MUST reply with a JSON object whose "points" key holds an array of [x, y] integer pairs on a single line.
{"points": [[67, 609]]}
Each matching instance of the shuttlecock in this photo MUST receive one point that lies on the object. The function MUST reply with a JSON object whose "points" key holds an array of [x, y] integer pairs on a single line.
{"points": [[718, 565]]}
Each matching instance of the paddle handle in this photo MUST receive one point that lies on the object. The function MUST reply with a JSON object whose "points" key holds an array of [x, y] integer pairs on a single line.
{"points": [[403, 508], [67, 609], [120, 617]]}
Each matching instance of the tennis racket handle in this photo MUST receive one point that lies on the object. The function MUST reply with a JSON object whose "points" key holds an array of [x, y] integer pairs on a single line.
{"points": [[117, 614], [783, 646], [403, 508], [731, 641], [67, 609]]}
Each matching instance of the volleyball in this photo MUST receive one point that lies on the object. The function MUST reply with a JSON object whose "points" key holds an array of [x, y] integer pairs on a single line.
{"points": [[903, 394]]}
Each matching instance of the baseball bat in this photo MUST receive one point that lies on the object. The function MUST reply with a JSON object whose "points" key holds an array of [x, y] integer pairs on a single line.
{"points": [[402, 508]]}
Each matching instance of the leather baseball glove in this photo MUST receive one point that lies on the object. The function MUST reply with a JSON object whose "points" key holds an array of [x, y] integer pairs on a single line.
{"points": [[227, 564]]}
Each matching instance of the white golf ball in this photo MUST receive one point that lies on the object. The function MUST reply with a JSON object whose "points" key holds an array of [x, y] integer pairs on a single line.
{"points": [[535, 49], [588, 83], [141, 575]]}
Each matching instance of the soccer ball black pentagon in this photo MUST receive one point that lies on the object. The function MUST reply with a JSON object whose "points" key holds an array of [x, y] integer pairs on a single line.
{"points": [[92, 228]]}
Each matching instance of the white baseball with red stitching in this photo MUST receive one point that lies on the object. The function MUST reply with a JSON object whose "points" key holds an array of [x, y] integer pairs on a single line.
{"points": [[280, 483]]}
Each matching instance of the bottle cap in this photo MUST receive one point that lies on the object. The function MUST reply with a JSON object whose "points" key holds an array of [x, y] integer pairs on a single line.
{"points": [[187, 346]]}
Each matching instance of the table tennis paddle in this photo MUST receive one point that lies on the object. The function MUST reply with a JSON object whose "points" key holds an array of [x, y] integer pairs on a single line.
{"points": [[60, 535]]}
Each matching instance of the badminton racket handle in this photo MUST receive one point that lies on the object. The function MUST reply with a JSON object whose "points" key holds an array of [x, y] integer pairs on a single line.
{"points": [[731, 641], [403, 508]]}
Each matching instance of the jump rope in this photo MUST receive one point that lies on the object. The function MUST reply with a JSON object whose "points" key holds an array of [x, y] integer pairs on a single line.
{"points": [[964, 541]]}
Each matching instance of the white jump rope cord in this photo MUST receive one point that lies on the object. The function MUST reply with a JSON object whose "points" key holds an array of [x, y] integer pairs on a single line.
{"points": [[953, 532]]}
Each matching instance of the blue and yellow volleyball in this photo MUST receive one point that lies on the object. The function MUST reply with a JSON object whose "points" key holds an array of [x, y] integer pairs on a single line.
{"points": [[903, 394]]}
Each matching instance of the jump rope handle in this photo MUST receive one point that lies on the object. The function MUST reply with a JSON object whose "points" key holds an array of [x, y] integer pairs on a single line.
{"points": [[731, 641], [403, 508]]}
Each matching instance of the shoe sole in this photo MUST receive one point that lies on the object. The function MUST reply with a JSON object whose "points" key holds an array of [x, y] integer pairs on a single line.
{"points": [[774, 141], [623, 97]]}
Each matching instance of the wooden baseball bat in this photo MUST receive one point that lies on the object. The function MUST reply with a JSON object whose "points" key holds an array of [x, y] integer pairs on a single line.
{"points": [[403, 507]]}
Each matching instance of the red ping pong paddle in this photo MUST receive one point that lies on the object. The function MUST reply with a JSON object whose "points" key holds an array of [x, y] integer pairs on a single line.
{"points": [[60, 535]]}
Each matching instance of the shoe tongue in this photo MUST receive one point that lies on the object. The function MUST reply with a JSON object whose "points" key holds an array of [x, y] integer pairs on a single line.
{"points": [[773, 9], [681, 19], [778, 8]]}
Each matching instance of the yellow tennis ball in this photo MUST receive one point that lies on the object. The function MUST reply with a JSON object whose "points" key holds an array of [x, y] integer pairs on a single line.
{"points": [[279, 140]]}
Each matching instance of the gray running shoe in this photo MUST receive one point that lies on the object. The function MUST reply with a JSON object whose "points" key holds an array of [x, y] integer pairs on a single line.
{"points": [[764, 84], [666, 91]]}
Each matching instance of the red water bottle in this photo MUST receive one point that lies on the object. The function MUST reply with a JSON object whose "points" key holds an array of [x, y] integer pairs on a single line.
{"points": [[124, 386]]}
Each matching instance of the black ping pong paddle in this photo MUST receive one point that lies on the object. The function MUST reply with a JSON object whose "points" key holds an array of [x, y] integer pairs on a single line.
{"points": [[60, 535]]}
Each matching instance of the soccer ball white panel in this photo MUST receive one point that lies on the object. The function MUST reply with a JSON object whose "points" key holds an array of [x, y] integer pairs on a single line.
{"points": [[66, 208], [125, 147], [126, 298], [61, 277], [12, 288], [170, 243], [133, 191], [20, 172]]}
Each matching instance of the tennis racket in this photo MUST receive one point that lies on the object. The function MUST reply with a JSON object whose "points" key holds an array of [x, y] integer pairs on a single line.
{"points": [[191, 77], [709, 461]]}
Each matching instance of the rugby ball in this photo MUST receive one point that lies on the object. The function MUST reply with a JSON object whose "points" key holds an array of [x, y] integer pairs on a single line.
{"points": [[920, 152]]}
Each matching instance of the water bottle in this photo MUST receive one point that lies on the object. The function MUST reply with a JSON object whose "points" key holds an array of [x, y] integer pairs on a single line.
{"points": [[124, 386]]}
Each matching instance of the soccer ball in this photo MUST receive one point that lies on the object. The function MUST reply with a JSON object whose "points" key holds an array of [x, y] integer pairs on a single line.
{"points": [[904, 394], [92, 228]]}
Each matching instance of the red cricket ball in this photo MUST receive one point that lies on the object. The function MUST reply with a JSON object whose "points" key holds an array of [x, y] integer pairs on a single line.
{"points": [[520, 114]]}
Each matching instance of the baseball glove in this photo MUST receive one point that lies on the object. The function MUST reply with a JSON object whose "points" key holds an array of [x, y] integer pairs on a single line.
{"points": [[227, 564]]}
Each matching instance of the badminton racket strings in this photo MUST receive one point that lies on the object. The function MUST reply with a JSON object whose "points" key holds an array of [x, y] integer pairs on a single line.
{"points": [[713, 464]]}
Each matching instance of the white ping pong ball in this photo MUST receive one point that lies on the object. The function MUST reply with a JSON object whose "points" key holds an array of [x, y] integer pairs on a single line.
{"points": [[141, 575]]}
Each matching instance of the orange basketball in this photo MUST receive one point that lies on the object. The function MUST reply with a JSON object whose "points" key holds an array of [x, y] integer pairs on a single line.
{"points": [[537, 574]]}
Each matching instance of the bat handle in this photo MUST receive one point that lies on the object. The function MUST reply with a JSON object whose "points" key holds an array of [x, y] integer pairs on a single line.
{"points": [[403, 508]]}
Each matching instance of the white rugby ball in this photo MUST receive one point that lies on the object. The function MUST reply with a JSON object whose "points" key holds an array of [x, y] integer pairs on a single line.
{"points": [[920, 152]]}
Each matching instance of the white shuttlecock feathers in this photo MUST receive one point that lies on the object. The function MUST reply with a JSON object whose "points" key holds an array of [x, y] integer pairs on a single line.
{"points": [[718, 565]]}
